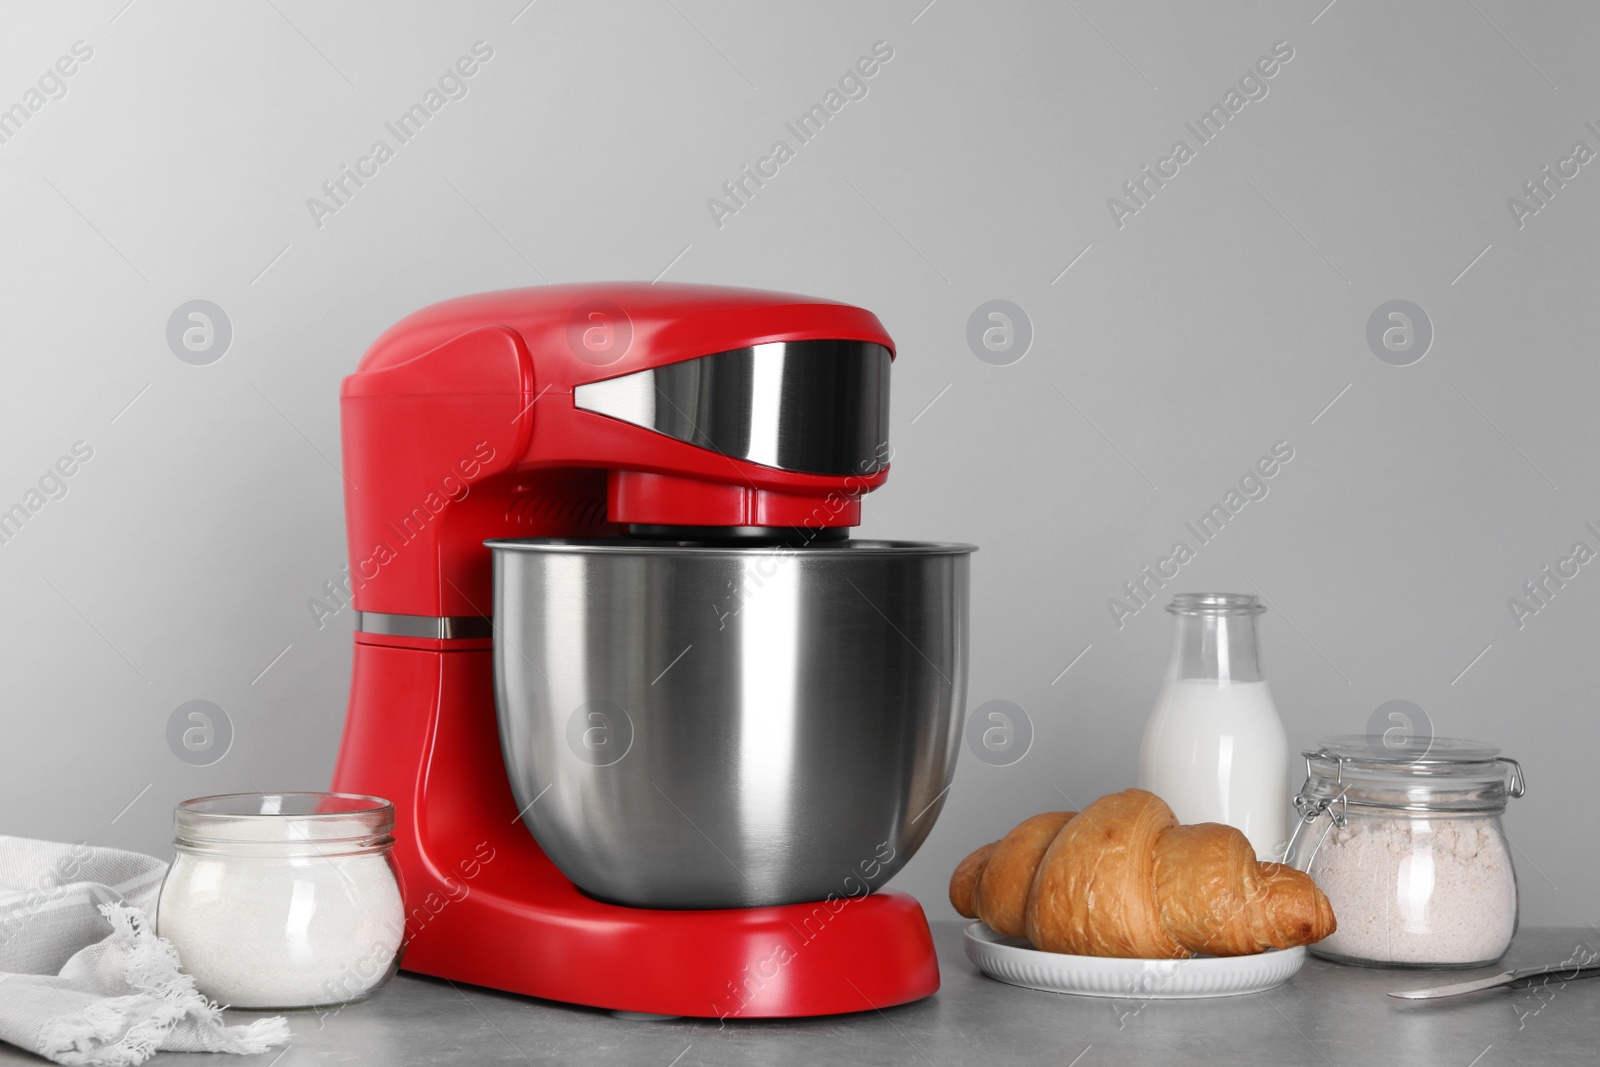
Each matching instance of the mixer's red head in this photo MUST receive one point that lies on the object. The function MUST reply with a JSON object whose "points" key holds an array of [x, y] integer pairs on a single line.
{"points": [[583, 410]]}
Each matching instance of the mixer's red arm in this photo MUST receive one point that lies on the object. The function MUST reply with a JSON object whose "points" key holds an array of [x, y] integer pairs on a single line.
{"points": [[471, 440], [420, 441]]}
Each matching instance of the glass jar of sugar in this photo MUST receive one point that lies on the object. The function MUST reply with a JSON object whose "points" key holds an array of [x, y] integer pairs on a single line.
{"points": [[284, 900], [1404, 837]]}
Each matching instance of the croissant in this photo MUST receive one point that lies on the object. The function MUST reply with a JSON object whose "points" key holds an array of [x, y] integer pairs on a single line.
{"points": [[997, 883], [1122, 878]]}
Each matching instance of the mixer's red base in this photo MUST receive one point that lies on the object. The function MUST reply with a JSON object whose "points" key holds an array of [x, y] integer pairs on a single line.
{"points": [[736, 964], [486, 906]]}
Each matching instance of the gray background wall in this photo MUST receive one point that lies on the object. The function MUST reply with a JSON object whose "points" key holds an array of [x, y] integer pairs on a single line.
{"points": [[1229, 313]]}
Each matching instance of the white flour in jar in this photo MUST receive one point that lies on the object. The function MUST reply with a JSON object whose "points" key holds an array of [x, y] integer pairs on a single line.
{"points": [[274, 931], [1417, 890]]}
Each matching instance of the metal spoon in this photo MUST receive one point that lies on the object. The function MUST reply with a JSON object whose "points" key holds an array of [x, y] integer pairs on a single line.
{"points": [[1507, 979]]}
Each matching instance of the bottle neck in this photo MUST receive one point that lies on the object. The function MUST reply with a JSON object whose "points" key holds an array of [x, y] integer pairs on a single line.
{"points": [[1219, 648]]}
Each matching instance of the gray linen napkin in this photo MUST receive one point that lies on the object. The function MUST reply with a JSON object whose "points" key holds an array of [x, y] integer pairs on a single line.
{"points": [[83, 977]]}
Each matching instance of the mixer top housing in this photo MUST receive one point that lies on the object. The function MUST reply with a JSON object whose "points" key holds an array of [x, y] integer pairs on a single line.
{"points": [[676, 411]]}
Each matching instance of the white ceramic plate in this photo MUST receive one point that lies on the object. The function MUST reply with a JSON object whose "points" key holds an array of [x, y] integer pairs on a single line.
{"points": [[1013, 960]]}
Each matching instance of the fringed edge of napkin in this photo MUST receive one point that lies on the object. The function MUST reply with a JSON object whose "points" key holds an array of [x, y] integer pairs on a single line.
{"points": [[150, 966]]}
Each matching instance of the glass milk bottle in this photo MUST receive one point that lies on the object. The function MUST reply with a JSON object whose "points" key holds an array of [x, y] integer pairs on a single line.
{"points": [[1214, 748]]}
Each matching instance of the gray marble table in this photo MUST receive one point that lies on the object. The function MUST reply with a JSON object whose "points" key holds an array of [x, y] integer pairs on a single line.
{"points": [[1325, 1015]]}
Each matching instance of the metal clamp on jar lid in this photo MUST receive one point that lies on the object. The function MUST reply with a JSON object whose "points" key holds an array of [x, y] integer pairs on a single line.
{"points": [[1442, 774], [1413, 858], [1439, 775]]}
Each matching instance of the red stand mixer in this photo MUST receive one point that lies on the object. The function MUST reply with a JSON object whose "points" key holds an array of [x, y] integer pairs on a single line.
{"points": [[581, 816]]}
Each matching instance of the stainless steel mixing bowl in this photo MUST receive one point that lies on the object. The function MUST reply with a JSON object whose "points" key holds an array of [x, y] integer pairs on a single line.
{"points": [[694, 726]]}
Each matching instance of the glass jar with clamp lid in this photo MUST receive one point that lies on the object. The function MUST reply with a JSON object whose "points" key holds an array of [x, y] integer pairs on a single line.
{"points": [[1408, 846]]}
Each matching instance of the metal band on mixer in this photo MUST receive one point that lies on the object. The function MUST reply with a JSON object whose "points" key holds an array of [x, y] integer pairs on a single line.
{"points": [[818, 407], [438, 627]]}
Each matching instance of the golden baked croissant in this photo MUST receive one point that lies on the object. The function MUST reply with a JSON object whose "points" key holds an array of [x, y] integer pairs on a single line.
{"points": [[1122, 878], [993, 881]]}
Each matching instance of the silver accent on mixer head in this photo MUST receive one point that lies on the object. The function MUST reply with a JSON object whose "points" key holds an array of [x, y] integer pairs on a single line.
{"points": [[816, 407]]}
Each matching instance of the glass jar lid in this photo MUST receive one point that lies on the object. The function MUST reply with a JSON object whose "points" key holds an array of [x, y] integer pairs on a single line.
{"points": [[1442, 774], [284, 824]]}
